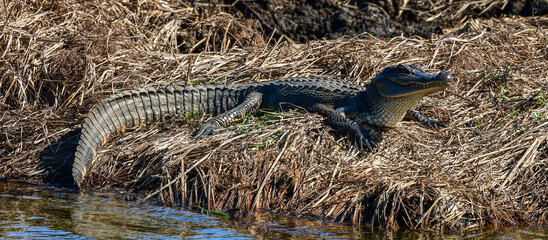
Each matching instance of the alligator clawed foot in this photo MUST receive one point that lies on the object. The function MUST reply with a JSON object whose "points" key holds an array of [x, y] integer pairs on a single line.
{"points": [[412, 114], [435, 124], [366, 141], [205, 130]]}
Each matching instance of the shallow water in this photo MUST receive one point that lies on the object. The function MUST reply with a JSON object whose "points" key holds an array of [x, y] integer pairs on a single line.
{"points": [[32, 212]]}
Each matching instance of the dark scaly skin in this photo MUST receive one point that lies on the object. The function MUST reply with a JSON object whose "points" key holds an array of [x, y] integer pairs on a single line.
{"points": [[350, 108]]}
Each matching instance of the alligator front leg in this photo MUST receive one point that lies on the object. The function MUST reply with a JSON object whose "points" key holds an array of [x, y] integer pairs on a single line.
{"points": [[362, 137], [250, 104], [417, 116]]}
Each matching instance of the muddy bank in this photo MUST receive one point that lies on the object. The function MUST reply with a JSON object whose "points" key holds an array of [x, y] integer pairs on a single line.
{"points": [[305, 20], [301, 21]]}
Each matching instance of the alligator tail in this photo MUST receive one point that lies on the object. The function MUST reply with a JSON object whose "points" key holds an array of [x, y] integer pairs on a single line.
{"points": [[136, 108]]}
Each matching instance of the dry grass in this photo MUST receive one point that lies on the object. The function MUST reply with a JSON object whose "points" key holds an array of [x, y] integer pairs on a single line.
{"points": [[489, 167]]}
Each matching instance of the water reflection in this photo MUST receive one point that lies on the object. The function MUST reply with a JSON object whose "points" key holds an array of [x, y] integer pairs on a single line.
{"points": [[32, 212]]}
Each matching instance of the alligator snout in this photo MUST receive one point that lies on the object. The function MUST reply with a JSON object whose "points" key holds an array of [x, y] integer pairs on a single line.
{"points": [[444, 76]]}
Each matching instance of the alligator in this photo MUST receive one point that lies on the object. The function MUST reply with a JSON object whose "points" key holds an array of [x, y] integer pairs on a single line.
{"points": [[350, 108]]}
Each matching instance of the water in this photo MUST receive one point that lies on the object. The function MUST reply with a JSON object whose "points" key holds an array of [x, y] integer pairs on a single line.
{"points": [[32, 212]]}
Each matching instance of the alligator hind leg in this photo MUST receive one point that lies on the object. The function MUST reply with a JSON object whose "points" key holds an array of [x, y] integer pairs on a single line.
{"points": [[251, 103], [412, 114]]}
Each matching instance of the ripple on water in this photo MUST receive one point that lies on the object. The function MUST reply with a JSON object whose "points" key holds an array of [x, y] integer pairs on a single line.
{"points": [[31, 212]]}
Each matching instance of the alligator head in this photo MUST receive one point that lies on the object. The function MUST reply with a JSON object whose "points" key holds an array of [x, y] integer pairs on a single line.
{"points": [[397, 89], [409, 80]]}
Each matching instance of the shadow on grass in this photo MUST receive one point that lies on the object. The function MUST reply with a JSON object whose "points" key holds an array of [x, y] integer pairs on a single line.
{"points": [[57, 159]]}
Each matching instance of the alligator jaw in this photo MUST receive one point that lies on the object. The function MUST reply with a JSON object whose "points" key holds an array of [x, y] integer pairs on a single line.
{"points": [[414, 84]]}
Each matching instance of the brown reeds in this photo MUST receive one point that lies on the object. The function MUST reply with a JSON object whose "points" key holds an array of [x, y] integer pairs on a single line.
{"points": [[489, 166]]}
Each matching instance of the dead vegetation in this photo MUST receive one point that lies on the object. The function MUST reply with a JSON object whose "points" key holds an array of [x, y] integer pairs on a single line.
{"points": [[490, 166]]}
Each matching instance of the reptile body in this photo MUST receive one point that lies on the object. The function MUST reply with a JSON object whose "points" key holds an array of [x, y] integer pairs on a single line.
{"points": [[350, 108]]}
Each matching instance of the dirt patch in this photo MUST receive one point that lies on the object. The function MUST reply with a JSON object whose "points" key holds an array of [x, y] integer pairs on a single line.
{"points": [[305, 20]]}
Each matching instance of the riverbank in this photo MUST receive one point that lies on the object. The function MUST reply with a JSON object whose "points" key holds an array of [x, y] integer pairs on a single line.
{"points": [[488, 167]]}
